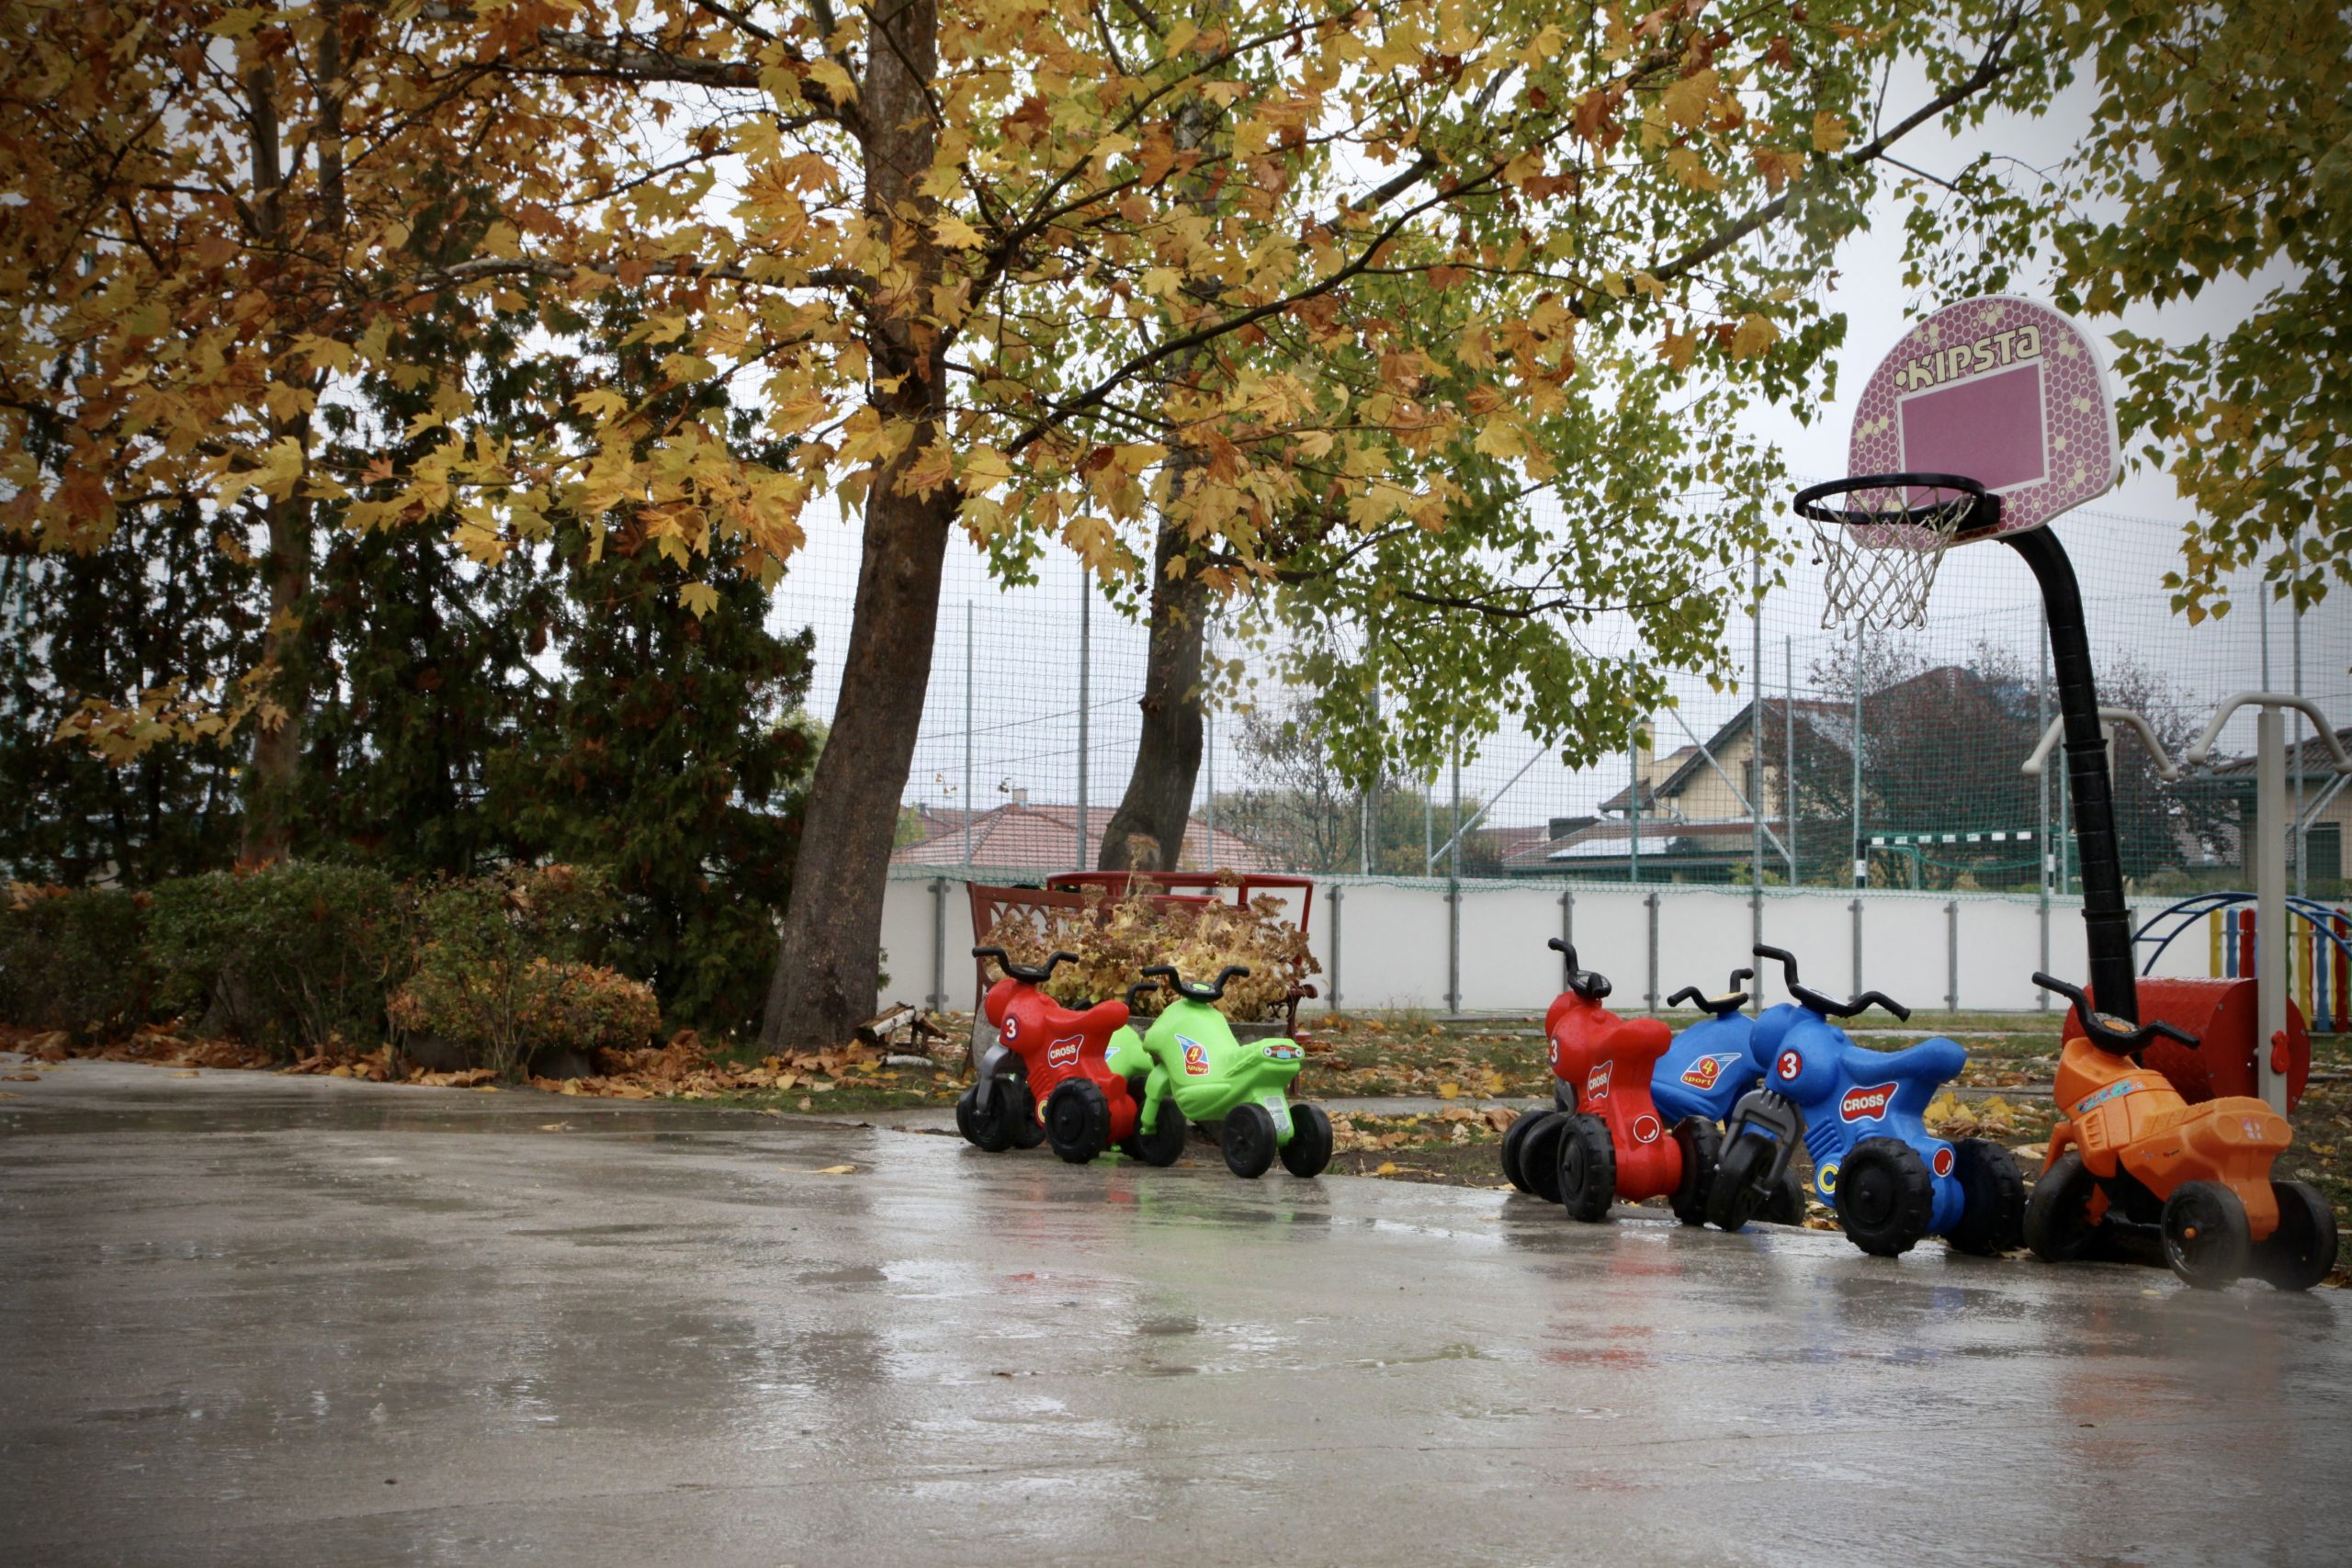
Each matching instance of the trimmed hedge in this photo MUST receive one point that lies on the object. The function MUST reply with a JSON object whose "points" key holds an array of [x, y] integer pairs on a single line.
{"points": [[295, 954], [75, 960]]}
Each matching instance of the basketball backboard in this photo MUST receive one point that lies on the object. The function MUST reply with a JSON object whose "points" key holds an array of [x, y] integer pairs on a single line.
{"points": [[2007, 391]]}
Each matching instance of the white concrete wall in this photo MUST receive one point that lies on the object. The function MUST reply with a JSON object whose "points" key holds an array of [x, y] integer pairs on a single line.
{"points": [[1393, 950]]}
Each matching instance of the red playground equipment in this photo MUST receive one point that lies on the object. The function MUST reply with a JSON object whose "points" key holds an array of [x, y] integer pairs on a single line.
{"points": [[1615, 1145], [1086, 1107]]}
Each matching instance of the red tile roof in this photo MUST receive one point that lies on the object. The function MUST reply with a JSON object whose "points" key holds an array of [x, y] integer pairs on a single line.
{"points": [[1044, 838]]}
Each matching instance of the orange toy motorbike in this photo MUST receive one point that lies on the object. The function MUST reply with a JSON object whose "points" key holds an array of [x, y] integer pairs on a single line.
{"points": [[2130, 1157]]}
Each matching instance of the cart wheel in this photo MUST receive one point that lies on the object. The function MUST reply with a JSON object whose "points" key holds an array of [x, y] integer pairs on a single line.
{"points": [[1587, 1168], [1784, 1205], [1886, 1197], [1539, 1155], [1703, 1144], [1992, 1221], [1733, 1199], [2206, 1240], [2058, 1224], [2301, 1251], [1515, 1142], [1249, 1141], [1077, 1120], [1160, 1148], [1028, 1132], [993, 1101], [1309, 1149]]}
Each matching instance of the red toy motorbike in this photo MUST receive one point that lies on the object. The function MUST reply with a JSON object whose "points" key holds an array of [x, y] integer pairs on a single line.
{"points": [[1086, 1107], [1613, 1144]]}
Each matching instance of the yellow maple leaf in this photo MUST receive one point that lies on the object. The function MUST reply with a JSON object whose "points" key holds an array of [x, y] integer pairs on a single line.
{"points": [[1830, 131]]}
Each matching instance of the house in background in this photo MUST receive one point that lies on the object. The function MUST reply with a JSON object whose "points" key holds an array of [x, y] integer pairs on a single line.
{"points": [[1018, 837], [2326, 796]]}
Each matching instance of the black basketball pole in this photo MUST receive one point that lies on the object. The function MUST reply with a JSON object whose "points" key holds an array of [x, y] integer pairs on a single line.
{"points": [[2107, 923]]}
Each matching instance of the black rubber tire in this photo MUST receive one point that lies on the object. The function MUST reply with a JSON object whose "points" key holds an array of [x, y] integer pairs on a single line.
{"points": [[964, 1113], [1309, 1149], [1732, 1201], [2058, 1225], [2206, 1239], [1514, 1140], [1886, 1197], [1993, 1222], [2301, 1251], [1702, 1145], [1539, 1155], [1027, 1130], [1587, 1168], [1162, 1147], [1077, 1120], [993, 1104], [1784, 1205], [1249, 1141]]}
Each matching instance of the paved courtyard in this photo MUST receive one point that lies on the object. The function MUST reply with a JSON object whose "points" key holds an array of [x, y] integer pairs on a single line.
{"points": [[248, 1320]]}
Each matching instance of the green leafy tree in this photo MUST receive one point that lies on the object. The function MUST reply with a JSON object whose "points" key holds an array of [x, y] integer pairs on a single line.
{"points": [[2220, 147]]}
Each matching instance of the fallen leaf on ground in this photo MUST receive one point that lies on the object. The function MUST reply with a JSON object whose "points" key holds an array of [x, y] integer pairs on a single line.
{"points": [[836, 1170], [187, 1074], [1386, 1167]]}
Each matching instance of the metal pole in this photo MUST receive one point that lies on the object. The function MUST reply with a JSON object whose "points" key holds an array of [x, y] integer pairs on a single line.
{"points": [[1453, 895], [2269, 899], [1652, 902], [1633, 808], [2047, 862], [2303, 832], [1862, 854], [1085, 683], [1568, 929], [2108, 924], [1756, 747], [1338, 896], [1854, 912], [1208, 755], [1951, 958], [968, 735], [938, 942], [1788, 770]]}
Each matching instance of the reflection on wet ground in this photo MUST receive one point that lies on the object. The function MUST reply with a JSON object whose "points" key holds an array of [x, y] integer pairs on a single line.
{"points": [[245, 1320]]}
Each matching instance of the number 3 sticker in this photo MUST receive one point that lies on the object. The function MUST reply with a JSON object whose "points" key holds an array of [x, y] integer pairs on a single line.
{"points": [[1791, 1064]]}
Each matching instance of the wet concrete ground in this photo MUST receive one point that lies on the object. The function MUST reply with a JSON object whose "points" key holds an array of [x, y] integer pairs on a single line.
{"points": [[252, 1320]]}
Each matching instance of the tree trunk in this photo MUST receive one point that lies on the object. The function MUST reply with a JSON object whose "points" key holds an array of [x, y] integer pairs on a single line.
{"points": [[829, 958], [278, 736], [1146, 834]]}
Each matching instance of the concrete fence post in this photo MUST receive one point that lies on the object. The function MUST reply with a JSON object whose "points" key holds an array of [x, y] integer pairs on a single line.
{"points": [[1951, 956], [1338, 899], [1652, 901]]}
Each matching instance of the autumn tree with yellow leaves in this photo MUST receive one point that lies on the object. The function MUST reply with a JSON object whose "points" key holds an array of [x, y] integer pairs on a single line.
{"points": [[1275, 299]]}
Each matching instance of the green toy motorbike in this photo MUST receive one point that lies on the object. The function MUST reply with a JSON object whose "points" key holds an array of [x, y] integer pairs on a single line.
{"points": [[1198, 1069]]}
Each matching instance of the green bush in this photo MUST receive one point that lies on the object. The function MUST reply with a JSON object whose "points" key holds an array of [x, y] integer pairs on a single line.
{"points": [[505, 969], [292, 955], [73, 961]]}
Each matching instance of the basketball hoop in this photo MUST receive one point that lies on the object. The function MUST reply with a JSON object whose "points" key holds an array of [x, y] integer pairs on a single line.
{"points": [[1883, 537]]}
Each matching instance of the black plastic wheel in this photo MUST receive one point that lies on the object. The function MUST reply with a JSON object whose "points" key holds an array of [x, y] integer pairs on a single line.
{"points": [[1993, 1221], [1309, 1149], [964, 1113], [1514, 1141], [1077, 1120], [1587, 1168], [1703, 1144], [1886, 1197], [1539, 1155], [1733, 1199], [1249, 1141], [2058, 1224], [993, 1104], [1163, 1145], [2206, 1238], [2301, 1251], [1784, 1205], [1028, 1129]]}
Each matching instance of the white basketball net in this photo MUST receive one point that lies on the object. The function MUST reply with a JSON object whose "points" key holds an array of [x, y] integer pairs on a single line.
{"points": [[1882, 557]]}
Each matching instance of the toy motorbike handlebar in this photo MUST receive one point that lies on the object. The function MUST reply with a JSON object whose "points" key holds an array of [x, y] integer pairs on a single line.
{"points": [[1135, 991], [1730, 1003], [2112, 1032], [1817, 1001], [1208, 993], [1589, 984], [1022, 971]]}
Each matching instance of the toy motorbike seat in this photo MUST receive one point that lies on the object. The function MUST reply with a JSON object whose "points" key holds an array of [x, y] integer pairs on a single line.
{"points": [[1933, 1061]]}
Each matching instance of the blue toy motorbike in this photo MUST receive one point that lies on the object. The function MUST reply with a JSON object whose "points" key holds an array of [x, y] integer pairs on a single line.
{"points": [[1710, 1065], [1858, 1113]]}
